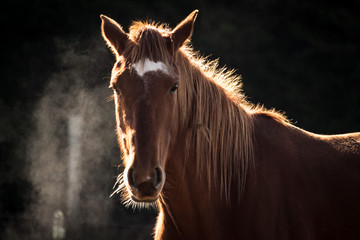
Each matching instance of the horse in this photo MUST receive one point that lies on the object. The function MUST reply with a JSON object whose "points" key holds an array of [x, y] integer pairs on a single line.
{"points": [[215, 165]]}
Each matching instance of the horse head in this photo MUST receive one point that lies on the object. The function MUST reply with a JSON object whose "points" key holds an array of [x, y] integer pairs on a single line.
{"points": [[145, 83]]}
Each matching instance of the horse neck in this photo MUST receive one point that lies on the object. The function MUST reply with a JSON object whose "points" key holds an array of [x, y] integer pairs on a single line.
{"points": [[206, 162], [217, 129], [185, 201]]}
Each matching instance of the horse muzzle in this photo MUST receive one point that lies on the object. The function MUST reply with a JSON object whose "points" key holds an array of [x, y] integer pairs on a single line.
{"points": [[144, 186]]}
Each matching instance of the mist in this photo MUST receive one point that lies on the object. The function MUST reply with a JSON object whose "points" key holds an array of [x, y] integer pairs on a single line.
{"points": [[73, 157]]}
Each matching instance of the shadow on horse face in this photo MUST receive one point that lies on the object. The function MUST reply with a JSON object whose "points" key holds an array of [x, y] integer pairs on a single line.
{"points": [[145, 98], [145, 93]]}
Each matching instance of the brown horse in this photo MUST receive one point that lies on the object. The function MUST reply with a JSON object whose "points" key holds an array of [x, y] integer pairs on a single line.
{"points": [[217, 166]]}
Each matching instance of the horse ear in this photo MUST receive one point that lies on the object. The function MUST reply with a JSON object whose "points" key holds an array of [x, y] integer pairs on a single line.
{"points": [[183, 30], [113, 34]]}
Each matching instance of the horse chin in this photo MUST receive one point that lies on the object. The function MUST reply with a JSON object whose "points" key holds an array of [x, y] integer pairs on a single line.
{"points": [[144, 199]]}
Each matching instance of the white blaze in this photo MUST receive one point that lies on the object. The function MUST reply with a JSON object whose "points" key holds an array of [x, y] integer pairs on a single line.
{"points": [[145, 66]]}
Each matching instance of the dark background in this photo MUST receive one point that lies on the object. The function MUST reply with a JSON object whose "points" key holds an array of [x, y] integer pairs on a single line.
{"points": [[300, 57]]}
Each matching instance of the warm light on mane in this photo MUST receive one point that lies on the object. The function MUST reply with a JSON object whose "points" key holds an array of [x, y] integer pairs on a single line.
{"points": [[213, 112]]}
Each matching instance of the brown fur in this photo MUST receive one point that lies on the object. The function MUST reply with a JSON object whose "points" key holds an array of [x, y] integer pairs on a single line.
{"points": [[233, 170]]}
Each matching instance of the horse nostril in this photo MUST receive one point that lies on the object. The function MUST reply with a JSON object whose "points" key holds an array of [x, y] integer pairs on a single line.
{"points": [[131, 178], [145, 184], [158, 177]]}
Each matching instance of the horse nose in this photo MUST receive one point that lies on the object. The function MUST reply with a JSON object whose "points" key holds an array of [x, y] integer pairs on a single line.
{"points": [[145, 183]]}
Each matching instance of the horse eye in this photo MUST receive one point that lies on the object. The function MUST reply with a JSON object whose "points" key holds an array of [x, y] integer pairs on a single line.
{"points": [[174, 88]]}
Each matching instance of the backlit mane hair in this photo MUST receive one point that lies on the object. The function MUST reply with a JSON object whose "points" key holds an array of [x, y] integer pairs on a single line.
{"points": [[214, 114]]}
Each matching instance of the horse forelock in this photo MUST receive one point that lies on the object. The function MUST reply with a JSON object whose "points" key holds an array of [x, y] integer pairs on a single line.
{"points": [[150, 42]]}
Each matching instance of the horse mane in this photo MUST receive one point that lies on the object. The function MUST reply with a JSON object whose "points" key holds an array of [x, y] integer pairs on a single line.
{"points": [[214, 113]]}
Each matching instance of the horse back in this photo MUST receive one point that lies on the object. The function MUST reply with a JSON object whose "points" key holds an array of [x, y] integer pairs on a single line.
{"points": [[304, 186]]}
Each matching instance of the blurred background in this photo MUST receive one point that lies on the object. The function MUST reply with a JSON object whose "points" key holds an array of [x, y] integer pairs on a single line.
{"points": [[59, 156]]}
